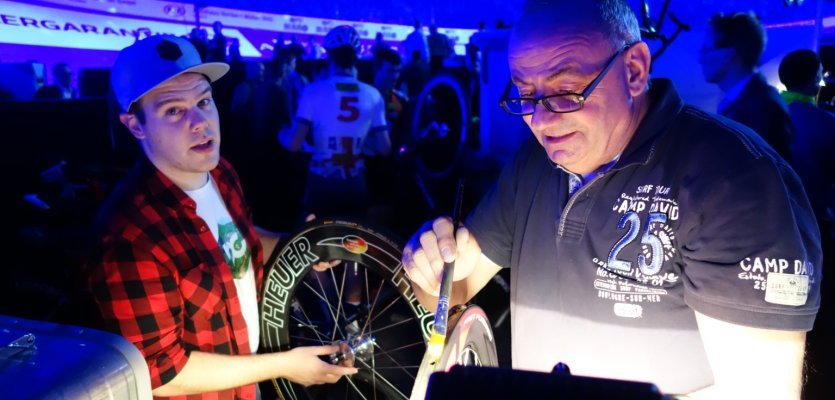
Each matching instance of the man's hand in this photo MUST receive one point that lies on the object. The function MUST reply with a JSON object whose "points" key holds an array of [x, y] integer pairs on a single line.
{"points": [[321, 265], [434, 244], [306, 368]]}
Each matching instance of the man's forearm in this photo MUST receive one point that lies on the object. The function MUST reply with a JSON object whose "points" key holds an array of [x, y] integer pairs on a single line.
{"points": [[208, 372]]}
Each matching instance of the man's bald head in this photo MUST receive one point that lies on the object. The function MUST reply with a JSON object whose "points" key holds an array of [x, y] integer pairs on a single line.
{"points": [[591, 49], [614, 19]]}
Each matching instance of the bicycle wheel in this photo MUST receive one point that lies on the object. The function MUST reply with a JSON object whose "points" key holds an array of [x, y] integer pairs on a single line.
{"points": [[469, 343], [441, 125], [300, 307]]}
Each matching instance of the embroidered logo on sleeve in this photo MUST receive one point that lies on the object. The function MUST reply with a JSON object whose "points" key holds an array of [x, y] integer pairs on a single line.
{"points": [[787, 289]]}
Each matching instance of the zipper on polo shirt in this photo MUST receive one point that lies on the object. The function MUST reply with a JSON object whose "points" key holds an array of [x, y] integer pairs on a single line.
{"points": [[573, 198]]}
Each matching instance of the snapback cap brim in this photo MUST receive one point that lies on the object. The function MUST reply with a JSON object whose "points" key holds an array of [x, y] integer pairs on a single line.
{"points": [[213, 70]]}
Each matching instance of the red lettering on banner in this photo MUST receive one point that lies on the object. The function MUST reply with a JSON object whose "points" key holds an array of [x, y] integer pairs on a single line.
{"points": [[28, 21], [9, 20], [89, 28]]}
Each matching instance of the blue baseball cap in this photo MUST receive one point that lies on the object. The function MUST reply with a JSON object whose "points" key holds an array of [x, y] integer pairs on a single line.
{"points": [[144, 65]]}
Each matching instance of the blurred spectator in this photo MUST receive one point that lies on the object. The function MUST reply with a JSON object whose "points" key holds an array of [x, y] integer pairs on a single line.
{"points": [[242, 99], [382, 171], [244, 119], [296, 48], [481, 27], [235, 51], [814, 144], [439, 49], [415, 74], [291, 82], [387, 68], [729, 58], [416, 42], [319, 70], [280, 98], [217, 47], [199, 38], [473, 60], [315, 51], [379, 44], [260, 108], [61, 87], [279, 41]]}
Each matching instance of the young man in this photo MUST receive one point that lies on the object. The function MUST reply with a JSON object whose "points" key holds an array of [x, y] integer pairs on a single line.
{"points": [[647, 240], [729, 57], [179, 262], [340, 120]]}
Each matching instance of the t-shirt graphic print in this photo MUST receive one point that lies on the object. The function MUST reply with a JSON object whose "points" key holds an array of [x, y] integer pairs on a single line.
{"points": [[234, 247]]}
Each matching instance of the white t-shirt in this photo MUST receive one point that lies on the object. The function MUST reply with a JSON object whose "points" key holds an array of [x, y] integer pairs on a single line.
{"points": [[235, 250], [345, 115]]}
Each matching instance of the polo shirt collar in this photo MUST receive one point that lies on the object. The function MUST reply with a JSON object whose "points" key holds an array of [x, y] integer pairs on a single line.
{"points": [[665, 105]]}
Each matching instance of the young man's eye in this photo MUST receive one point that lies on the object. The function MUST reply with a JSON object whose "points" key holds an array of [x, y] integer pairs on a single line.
{"points": [[172, 111], [205, 102]]}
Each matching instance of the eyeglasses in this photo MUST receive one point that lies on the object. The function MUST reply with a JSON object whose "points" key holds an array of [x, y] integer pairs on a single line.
{"points": [[556, 103]]}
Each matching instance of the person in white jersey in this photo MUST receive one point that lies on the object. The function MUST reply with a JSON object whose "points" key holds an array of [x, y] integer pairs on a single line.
{"points": [[339, 120]]}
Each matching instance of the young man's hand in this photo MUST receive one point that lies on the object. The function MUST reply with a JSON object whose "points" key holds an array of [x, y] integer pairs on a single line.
{"points": [[303, 366]]}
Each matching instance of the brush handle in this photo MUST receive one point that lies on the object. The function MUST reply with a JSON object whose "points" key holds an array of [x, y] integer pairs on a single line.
{"points": [[442, 311]]}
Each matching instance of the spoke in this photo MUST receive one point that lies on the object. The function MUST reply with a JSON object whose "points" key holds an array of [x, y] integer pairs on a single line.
{"points": [[309, 323], [373, 357], [367, 294], [397, 367], [397, 349], [321, 296], [374, 304], [339, 294], [378, 330], [289, 386], [351, 382], [374, 377], [384, 309], [400, 366], [324, 298], [383, 379]]}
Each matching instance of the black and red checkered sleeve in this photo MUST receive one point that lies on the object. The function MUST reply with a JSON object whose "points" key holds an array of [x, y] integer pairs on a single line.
{"points": [[136, 289]]}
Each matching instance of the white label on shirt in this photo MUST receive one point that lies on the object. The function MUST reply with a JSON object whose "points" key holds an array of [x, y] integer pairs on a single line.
{"points": [[787, 289], [627, 310]]}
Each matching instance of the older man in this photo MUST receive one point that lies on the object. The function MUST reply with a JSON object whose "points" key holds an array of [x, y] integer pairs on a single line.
{"points": [[647, 240]]}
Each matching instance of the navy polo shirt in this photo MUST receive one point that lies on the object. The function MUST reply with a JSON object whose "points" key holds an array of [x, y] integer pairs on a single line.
{"points": [[698, 213]]}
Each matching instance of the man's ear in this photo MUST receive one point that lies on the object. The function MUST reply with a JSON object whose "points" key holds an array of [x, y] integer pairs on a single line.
{"points": [[132, 123], [638, 61]]}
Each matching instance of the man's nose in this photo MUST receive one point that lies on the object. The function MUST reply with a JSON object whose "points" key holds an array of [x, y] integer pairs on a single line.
{"points": [[199, 119], [542, 118]]}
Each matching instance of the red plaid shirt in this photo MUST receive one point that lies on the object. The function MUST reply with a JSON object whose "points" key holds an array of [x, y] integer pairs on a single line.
{"points": [[160, 277]]}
